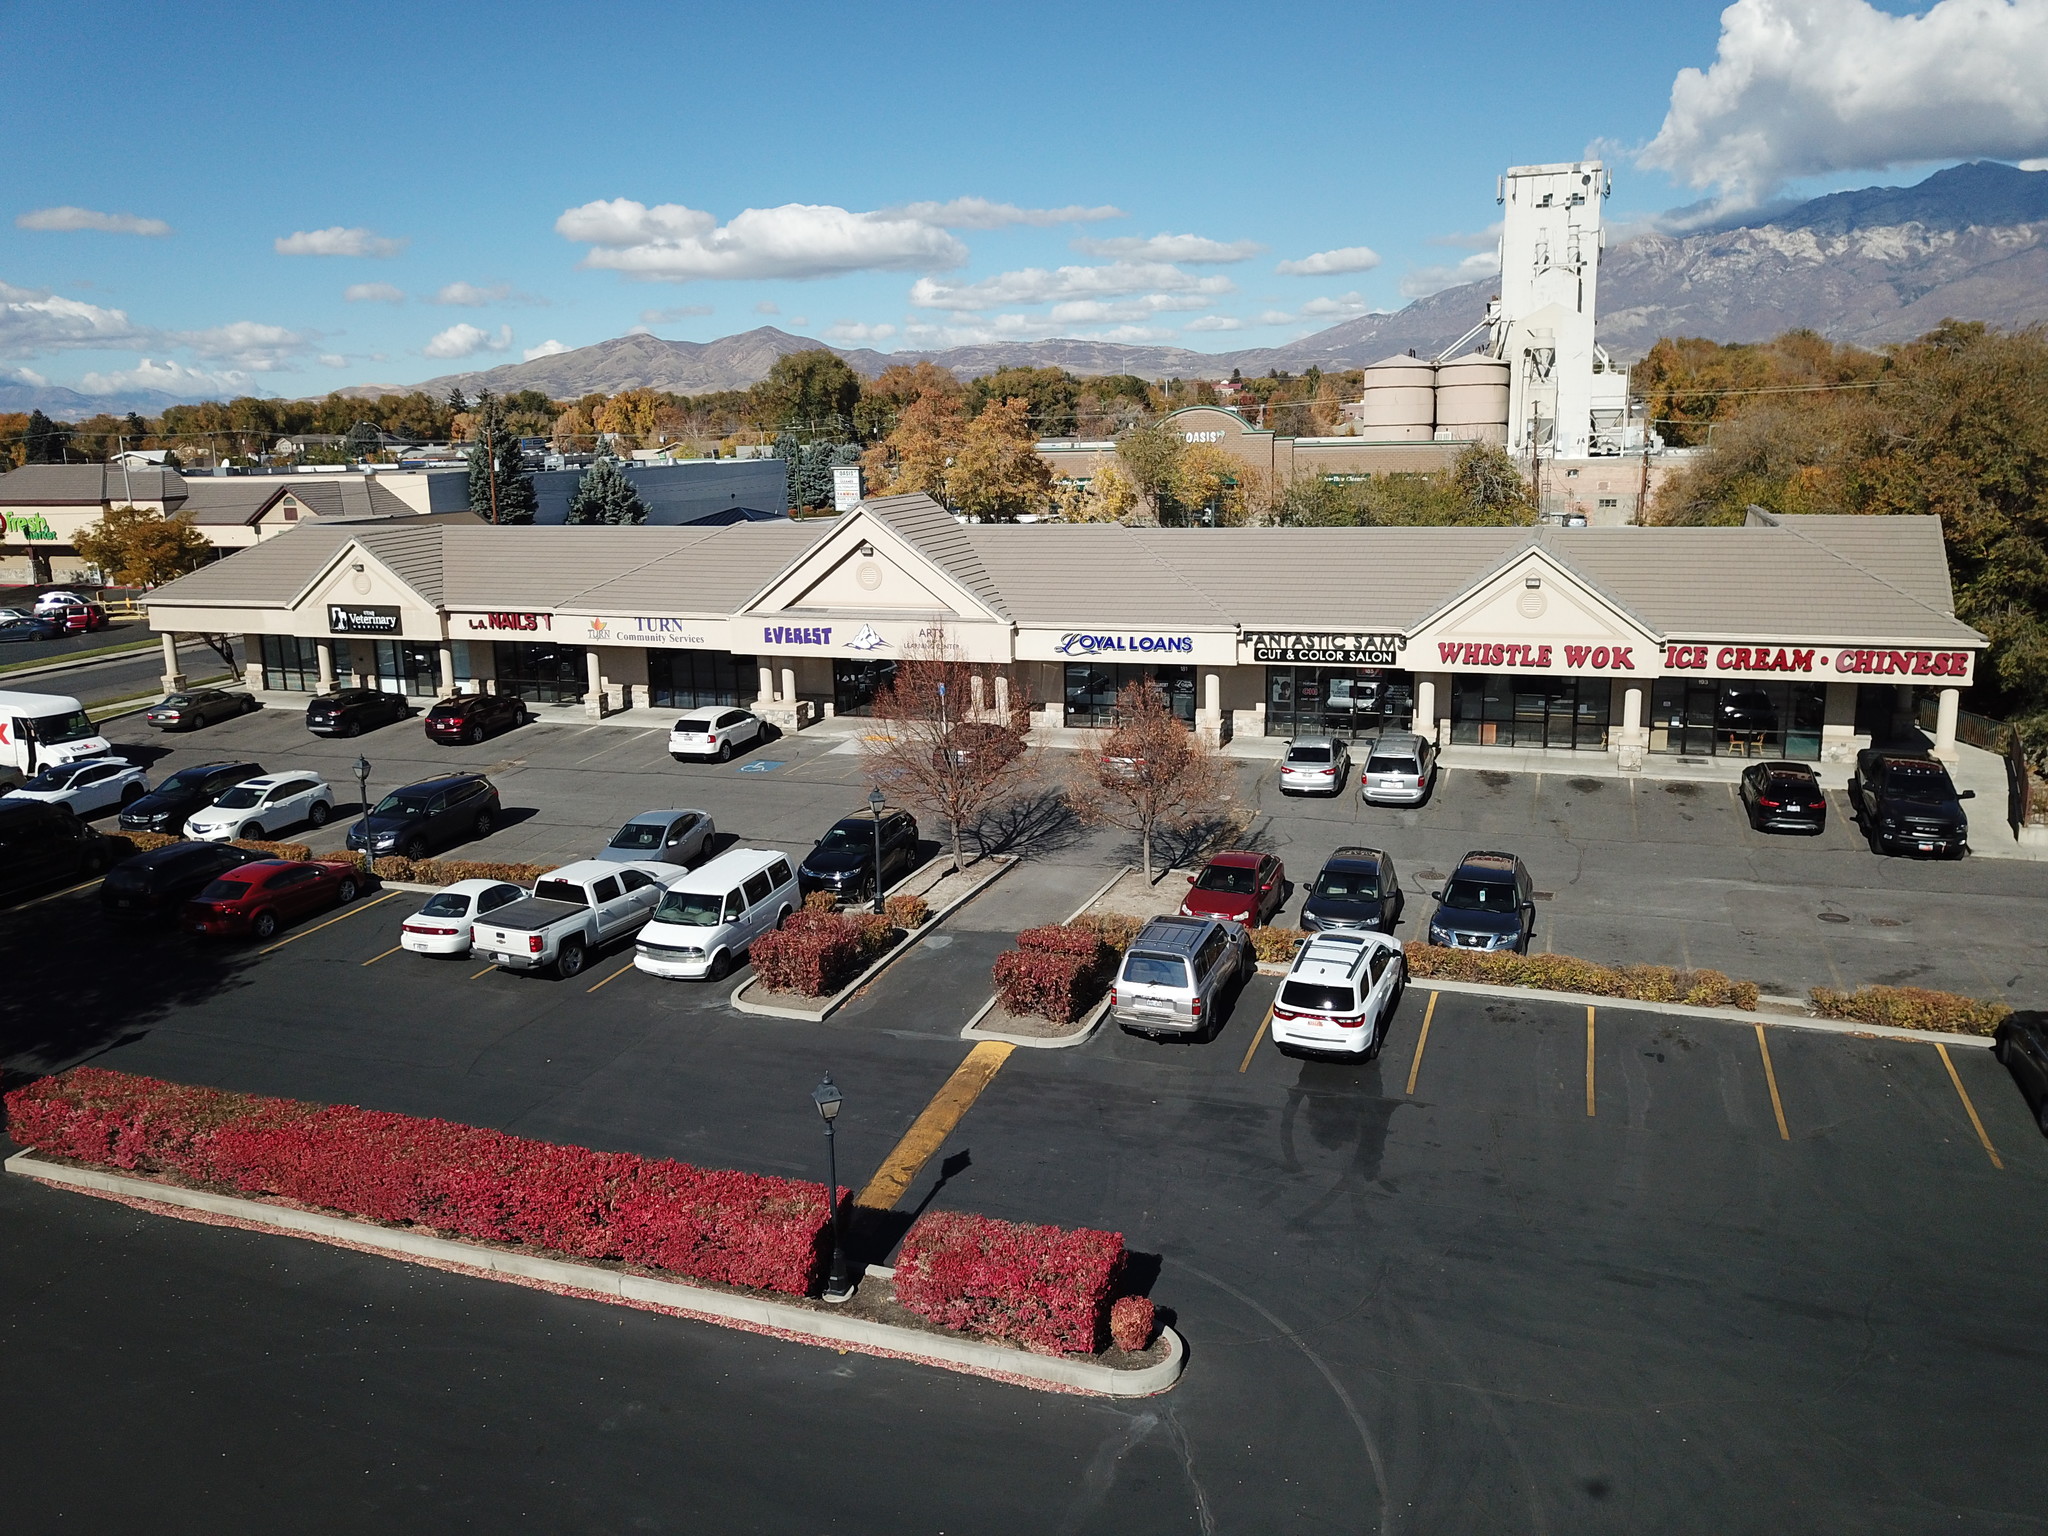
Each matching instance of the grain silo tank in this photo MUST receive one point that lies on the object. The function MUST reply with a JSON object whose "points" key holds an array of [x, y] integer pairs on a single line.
{"points": [[1472, 399], [1400, 401]]}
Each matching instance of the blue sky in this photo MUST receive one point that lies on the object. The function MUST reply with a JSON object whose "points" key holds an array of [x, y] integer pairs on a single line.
{"points": [[388, 193]]}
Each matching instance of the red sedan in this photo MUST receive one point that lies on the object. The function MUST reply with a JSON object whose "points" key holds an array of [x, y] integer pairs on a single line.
{"points": [[257, 899], [1246, 888]]}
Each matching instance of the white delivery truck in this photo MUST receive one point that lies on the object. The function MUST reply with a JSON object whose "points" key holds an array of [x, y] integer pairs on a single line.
{"points": [[41, 730]]}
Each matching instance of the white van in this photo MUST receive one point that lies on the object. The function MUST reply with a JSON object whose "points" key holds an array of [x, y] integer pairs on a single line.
{"points": [[709, 915], [41, 730]]}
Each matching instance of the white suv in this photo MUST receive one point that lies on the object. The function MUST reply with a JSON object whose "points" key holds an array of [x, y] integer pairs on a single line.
{"points": [[714, 733], [1340, 995], [262, 807]]}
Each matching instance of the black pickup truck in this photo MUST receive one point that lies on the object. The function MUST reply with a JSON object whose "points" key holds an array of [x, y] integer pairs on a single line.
{"points": [[1907, 804]]}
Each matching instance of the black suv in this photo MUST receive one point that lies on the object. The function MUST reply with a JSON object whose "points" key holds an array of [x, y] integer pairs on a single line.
{"points": [[164, 879], [1908, 805], [165, 808], [1487, 904], [1355, 888], [844, 860], [419, 818], [351, 711], [41, 843]]}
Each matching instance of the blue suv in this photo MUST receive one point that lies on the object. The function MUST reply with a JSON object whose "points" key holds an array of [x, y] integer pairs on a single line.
{"points": [[1488, 903]]}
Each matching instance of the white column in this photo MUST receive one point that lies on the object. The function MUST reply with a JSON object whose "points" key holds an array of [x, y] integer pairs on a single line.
{"points": [[767, 693], [1631, 742], [593, 693], [788, 694], [1212, 692], [1945, 724], [447, 656], [1003, 697], [1425, 708], [324, 649], [980, 696], [173, 679]]}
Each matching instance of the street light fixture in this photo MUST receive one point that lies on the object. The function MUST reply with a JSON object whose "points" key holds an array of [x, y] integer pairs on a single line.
{"points": [[363, 802], [838, 1284], [875, 803]]}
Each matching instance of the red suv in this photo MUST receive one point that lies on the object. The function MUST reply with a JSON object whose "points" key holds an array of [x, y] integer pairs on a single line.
{"points": [[469, 717], [258, 898], [1246, 888]]}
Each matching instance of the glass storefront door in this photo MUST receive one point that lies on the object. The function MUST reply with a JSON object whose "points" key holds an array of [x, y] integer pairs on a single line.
{"points": [[695, 679], [290, 663], [1347, 702], [855, 684], [1092, 687], [1518, 710], [404, 666], [1693, 717], [542, 671]]}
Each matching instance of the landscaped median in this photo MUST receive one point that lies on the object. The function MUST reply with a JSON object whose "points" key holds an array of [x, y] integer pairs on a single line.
{"points": [[428, 872], [1031, 1304]]}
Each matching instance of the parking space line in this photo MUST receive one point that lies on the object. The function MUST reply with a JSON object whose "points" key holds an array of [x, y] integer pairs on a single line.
{"points": [[1771, 1078], [69, 890], [1415, 1066], [1589, 1058], [931, 1128], [1258, 1034], [394, 949], [484, 972], [351, 912], [615, 975], [1968, 1108]]}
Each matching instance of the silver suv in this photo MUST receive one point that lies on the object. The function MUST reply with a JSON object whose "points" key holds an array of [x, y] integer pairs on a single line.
{"points": [[1175, 974], [1399, 770]]}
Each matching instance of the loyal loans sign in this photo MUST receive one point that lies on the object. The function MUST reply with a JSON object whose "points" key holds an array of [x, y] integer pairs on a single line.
{"points": [[1344, 647]]}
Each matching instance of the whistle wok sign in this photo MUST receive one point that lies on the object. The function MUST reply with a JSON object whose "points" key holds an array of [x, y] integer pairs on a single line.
{"points": [[1574, 658]]}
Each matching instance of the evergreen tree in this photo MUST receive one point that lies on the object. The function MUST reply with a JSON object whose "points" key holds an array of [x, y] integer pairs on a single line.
{"points": [[500, 490], [457, 404], [605, 495], [44, 440]]}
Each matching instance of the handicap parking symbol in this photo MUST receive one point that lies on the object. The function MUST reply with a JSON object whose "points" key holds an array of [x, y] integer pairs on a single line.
{"points": [[758, 767]]}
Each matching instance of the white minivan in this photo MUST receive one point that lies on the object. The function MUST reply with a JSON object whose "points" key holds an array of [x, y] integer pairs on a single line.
{"points": [[42, 730], [708, 916]]}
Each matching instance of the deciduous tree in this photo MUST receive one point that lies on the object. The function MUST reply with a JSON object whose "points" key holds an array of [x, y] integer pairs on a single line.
{"points": [[1149, 456], [997, 474], [1150, 772], [137, 547], [814, 392], [920, 447]]}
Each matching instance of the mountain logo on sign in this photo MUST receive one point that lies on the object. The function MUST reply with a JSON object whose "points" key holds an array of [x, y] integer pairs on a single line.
{"points": [[866, 640]]}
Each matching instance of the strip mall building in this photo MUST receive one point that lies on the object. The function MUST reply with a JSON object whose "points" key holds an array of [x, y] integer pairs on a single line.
{"points": [[1799, 637]]}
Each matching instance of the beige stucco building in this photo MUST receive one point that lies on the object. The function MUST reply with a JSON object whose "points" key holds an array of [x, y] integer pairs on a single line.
{"points": [[1799, 637]]}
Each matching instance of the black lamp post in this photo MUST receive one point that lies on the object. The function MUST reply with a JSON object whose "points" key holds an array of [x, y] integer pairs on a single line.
{"points": [[838, 1285], [875, 804], [363, 802]]}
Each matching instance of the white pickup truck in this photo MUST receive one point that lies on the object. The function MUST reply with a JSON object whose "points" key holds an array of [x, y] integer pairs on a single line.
{"points": [[573, 912]]}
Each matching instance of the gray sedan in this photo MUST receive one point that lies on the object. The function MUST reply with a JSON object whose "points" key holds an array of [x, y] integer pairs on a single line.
{"points": [[1314, 765], [661, 837]]}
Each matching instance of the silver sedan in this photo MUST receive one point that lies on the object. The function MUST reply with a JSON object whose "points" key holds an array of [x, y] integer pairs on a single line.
{"points": [[1314, 765], [661, 837]]}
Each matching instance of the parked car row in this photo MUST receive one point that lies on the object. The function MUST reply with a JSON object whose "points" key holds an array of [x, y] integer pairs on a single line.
{"points": [[53, 614]]}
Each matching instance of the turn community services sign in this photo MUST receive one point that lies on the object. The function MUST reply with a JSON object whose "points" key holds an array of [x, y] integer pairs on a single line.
{"points": [[1343, 647]]}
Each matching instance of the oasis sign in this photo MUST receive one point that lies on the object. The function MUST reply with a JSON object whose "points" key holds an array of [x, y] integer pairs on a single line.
{"points": [[1347, 647]]}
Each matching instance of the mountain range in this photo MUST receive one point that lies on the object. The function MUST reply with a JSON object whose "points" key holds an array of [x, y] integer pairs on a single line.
{"points": [[1872, 266]]}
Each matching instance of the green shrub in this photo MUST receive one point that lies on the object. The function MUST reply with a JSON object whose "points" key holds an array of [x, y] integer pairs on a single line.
{"points": [[1566, 973], [1116, 929], [906, 911], [822, 901], [1910, 1008], [1276, 946]]}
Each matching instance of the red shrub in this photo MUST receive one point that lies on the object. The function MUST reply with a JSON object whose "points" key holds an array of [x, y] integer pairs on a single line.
{"points": [[1056, 986], [1061, 939], [1044, 1287], [1130, 1323], [712, 1224], [813, 954], [874, 932]]}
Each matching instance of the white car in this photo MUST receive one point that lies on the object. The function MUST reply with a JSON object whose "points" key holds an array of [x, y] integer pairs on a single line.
{"points": [[262, 807], [1340, 995], [59, 602], [441, 927], [89, 787], [713, 733]]}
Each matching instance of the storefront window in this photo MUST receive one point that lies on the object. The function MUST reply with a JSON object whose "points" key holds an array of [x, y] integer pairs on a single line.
{"points": [[1350, 702], [290, 664], [544, 672], [855, 684], [406, 667], [1503, 709], [1092, 687], [693, 679], [1692, 717]]}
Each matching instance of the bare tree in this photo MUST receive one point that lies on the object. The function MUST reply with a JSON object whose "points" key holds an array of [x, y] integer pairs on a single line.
{"points": [[1150, 772], [948, 740]]}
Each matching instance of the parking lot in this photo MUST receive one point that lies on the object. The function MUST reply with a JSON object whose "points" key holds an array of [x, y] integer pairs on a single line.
{"points": [[1537, 1272]]}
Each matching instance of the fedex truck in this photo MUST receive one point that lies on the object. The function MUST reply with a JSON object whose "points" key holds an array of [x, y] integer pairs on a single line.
{"points": [[40, 730]]}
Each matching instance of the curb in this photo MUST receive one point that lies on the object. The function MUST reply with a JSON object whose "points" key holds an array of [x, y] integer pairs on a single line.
{"points": [[754, 1313], [845, 994], [78, 659], [1694, 1011]]}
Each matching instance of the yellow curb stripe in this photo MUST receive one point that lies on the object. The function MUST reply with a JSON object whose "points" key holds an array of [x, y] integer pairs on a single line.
{"points": [[484, 972], [1415, 1066], [615, 975], [1589, 1058], [394, 949], [1771, 1077], [1968, 1108], [69, 890], [929, 1132], [1252, 1048], [308, 932]]}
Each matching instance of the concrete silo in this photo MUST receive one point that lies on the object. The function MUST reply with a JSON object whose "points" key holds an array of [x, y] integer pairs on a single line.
{"points": [[1399, 404], [1472, 399]]}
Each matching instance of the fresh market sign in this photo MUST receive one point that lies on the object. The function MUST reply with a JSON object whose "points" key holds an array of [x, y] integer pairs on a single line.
{"points": [[20, 525]]}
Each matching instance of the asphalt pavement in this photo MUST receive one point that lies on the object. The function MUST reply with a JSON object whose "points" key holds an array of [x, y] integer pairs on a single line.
{"points": [[115, 677]]}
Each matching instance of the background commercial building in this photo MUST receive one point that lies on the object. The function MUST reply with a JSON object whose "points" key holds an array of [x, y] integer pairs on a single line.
{"points": [[1798, 637]]}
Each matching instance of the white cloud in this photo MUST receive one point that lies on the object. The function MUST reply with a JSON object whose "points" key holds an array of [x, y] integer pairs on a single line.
{"points": [[1037, 285], [1349, 258], [33, 321], [548, 348], [767, 307], [1487, 239], [249, 343], [69, 218], [470, 296], [1805, 87], [1423, 281], [373, 293], [333, 360], [1195, 250], [857, 331], [1215, 323], [671, 243], [171, 377], [466, 340], [26, 376], [676, 312], [337, 242], [980, 213], [1105, 311], [2034, 165]]}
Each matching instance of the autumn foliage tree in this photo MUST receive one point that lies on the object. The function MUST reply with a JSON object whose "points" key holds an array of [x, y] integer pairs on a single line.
{"points": [[1149, 773], [940, 743], [997, 475], [134, 546]]}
